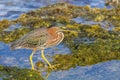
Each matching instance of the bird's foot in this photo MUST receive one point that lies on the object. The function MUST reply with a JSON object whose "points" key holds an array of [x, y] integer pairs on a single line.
{"points": [[53, 67]]}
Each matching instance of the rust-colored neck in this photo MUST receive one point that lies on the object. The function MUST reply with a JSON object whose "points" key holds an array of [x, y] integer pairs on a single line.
{"points": [[53, 32], [55, 36]]}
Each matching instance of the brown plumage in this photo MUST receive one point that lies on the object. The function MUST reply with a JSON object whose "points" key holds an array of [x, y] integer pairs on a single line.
{"points": [[39, 39]]}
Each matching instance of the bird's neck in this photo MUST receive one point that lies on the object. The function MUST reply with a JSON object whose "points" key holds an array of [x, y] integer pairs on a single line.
{"points": [[55, 39]]}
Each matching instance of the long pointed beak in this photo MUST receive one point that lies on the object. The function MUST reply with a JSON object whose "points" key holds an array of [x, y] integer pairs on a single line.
{"points": [[66, 29], [63, 28]]}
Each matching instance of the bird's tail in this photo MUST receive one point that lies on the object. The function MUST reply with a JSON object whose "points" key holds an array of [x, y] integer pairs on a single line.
{"points": [[14, 45]]}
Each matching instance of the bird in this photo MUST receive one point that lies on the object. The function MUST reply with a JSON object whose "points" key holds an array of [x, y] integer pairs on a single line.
{"points": [[39, 39]]}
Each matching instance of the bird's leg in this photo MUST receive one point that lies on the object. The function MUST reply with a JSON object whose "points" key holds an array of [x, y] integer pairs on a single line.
{"points": [[43, 56], [50, 66], [31, 62]]}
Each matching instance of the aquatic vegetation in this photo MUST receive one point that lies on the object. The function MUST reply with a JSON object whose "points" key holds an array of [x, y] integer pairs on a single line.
{"points": [[104, 43], [89, 54], [4, 24], [113, 3], [14, 73], [10, 36]]}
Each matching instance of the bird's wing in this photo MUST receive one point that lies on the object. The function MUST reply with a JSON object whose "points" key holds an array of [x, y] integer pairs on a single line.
{"points": [[34, 38]]}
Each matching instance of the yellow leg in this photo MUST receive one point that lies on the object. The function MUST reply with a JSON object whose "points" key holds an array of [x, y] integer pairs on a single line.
{"points": [[31, 62], [43, 56]]}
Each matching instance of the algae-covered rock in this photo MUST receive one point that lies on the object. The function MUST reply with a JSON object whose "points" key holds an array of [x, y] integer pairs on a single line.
{"points": [[14, 73]]}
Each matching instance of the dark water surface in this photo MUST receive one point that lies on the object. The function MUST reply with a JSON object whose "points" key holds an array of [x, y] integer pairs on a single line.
{"points": [[11, 9]]}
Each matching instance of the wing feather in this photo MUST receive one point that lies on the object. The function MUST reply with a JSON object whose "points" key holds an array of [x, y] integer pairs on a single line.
{"points": [[35, 38]]}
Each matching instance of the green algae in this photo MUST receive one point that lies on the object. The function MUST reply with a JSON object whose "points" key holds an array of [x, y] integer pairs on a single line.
{"points": [[4, 24], [104, 47], [14, 73], [89, 54]]}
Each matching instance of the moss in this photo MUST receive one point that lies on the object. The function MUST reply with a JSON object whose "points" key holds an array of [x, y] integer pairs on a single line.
{"points": [[14, 73], [13, 35], [4, 24], [89, 54]]}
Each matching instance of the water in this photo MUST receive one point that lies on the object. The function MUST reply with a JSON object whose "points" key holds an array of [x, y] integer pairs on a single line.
{"points": [[102, 71], [11, 9], [105, 25]]}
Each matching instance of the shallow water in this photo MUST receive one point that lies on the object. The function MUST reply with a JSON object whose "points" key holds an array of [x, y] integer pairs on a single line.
{"points": [[105, 25], [11, 9]]}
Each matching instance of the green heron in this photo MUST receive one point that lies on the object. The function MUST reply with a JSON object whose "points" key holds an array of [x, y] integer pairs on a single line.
{"points": [[39, 39]]}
